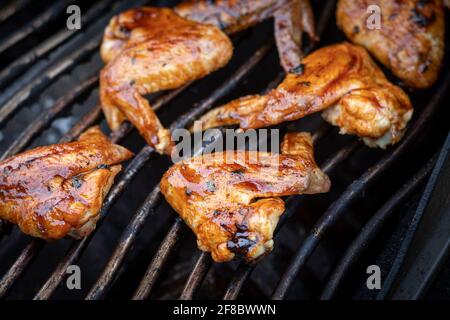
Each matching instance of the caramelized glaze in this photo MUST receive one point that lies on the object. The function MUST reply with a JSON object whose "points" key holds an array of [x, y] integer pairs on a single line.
{"points": [[149, 50], [410, 41], [341, 79], [231, 200], [56, 190]]}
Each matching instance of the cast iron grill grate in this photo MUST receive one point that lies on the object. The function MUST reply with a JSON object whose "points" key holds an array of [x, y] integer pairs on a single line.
{"points": [[25, 78]]}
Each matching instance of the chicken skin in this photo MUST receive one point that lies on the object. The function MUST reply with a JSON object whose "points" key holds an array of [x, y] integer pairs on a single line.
{"points": [[149, 50], [58, 190], [341, 80], [291, 19], [410, 41], [231, 200]]}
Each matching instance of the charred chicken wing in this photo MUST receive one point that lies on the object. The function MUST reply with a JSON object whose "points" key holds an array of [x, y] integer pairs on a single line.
{"points": [[341, 80], [149, 50], [410, 41], [231, 200], [58, 190], [291, 19]]}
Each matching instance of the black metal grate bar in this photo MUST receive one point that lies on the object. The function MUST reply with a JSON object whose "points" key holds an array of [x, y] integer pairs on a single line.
{"points": [[204, 261], [198, 274], [136, 164], [41, 122], [46, 78], [151, 275], [370, 231], [154, 198], [25, 61], [13, 8], [240, 276], [104, 281], [75, 250], [67, 56], [202, 265], [34, 247], [78, 246], [157, 263], [244, 270], [88, 120], [339, 207], [20, 265]]}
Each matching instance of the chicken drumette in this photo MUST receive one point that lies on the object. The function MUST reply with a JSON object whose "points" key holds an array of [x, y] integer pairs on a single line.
{"points": [[231, 200], [291, 19], [410, 40], [58, 190], [341, 80], [149, 50]]}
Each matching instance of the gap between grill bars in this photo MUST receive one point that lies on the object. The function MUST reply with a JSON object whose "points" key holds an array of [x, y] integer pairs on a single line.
{"points": [[63, 63], [55, 66], [154, 197], [149, 205], [35, 24], [66, 57], [12, 9], [204, 261], [371, 229], [33, 248], [26, 60]]}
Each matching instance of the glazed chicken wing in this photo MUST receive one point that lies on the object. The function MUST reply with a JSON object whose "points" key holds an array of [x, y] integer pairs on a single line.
{"points": [[291, 19], [410, 41], [341, 80], [149, 50], [231, 200], [58, 190]]}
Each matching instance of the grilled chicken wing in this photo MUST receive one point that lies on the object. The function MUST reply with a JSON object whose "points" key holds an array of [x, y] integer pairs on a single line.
{"points": [[340, 79], [410, 41], [58, 190], [149, 50], [232, 201], [291, 19]]}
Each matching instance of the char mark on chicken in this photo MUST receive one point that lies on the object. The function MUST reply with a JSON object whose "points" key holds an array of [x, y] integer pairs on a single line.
{"points": [[58, 190], [149, 50], [409, 40], [231, 200]]}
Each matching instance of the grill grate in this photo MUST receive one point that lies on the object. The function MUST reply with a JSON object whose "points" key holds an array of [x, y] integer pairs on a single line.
{"points": [[61, 53], [339, 207], [370, 230]]}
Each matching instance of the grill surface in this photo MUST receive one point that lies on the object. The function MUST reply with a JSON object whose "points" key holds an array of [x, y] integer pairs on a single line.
{"points": [[140, 248]]}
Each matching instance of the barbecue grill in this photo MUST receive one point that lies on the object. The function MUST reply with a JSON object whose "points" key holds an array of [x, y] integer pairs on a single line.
{"points": [[141, 249]]}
